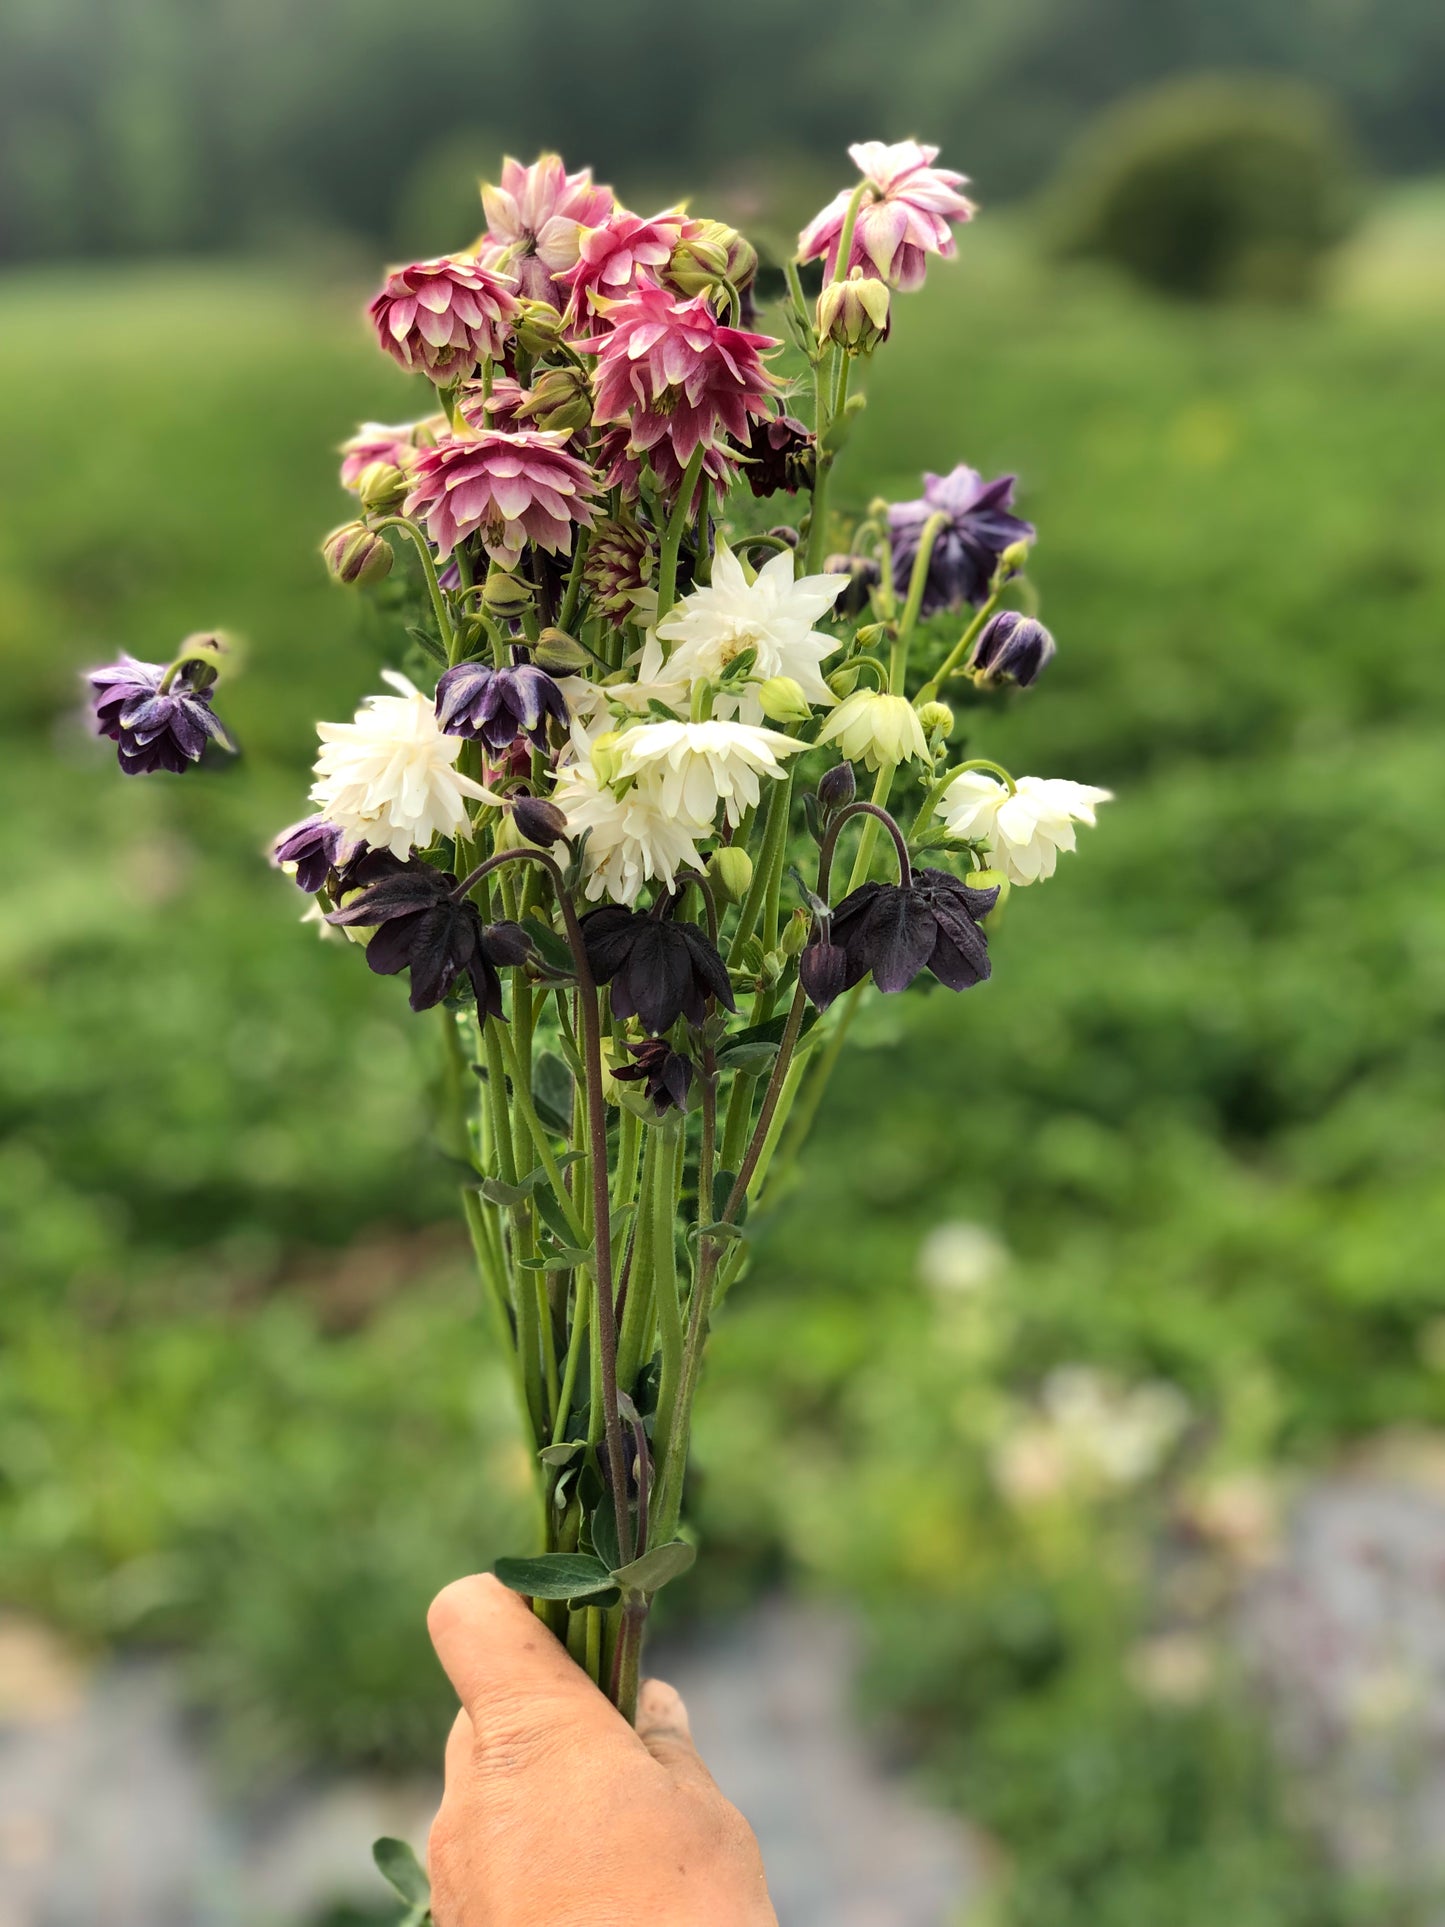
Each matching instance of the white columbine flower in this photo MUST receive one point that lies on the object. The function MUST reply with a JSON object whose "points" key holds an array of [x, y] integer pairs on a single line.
{"points": [[877, 728], [773, 615], [389, 778], [1026, 830], [632, 839], [693, 766]]}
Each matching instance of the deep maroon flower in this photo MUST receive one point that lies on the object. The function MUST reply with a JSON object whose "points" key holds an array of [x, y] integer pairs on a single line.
{"points": [[905, 216], [664, 1074], [659, 971], [676, 374], [1011, 647], [155, 728], [513, 489], [496, 706], [781, 454], [823, 971], [619, 254], [421, 927], [443, 316], [534, 219], [897, 930], [966, 552], [309, 850]]}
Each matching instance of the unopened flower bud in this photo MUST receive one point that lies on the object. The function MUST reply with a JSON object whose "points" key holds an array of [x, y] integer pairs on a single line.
{"points": [[783, 701], [559, 654], [355, 553], [506, 594], [1014, 558], [604, 757], [538, 820], [730, 871], [561, 398], [936, 719], [854, 314], [1011, 647], [381, 486], [537, 326], [795, 933], [823, 972], [712, 253], [844, 681], [837, 786]]}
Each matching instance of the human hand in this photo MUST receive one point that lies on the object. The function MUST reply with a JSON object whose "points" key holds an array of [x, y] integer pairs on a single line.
{"points": [[556, 1813]]}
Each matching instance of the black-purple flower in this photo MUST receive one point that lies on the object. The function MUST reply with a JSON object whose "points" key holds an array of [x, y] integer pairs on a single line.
{"points": [[1011, 647], [155, 728], [823, 971], [310, 849], [781, 454], [981, 525], [897, 930], [659, 970], [496, 706], [664, 1074], [863, 573], [421, 927]]}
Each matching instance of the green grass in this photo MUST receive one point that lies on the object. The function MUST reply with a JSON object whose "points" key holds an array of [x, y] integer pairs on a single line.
{"points": [[1200, 1101]]}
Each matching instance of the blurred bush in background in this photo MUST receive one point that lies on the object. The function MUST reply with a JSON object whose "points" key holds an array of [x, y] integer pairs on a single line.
{"points": [[1212, 188]]}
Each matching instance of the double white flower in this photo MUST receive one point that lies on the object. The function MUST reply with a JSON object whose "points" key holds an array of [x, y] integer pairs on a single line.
{"points": [[630, 839], [389, 777], [1025, 828]]}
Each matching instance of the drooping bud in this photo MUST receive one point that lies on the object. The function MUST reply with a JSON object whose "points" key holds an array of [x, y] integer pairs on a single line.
{"points": [[730, 871], [863, 573], [1014, 558], [782, 700], [560, 398], [837, 787], [354, 553], [708, 255], [854, 314], [823, 972], [381, 486], [538, 820], [1011, 647], [505, 593], [795, 933], [604, 757], [559, 654], [538, 326], [936, 720]]}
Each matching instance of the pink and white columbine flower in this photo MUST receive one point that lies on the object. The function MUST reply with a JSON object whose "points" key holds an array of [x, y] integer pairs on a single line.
{"points": [[382, 445], [534, 218], [676, 374], [510, 488], [444, 316], [613, 258], [906, 216]]}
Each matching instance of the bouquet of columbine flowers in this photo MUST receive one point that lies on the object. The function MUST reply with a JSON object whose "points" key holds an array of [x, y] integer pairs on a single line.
{"points": [[598, 822]]}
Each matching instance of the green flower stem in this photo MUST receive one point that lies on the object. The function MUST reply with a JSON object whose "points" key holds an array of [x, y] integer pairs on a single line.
{"points": [[850, 221], [817, 548], [434, 589], [572, 595], [581, 1319], [801, 1123], [775, 837], [672, 535], [667, 1310], [863, 860], [955, 655], [917, 583], [523, 1104], [636, 1332]]}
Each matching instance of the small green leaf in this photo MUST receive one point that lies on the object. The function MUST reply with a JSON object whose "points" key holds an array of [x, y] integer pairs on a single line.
{"points": [[729, 1234], [603, 1526], [495, 1191], [555, 1575], [554, 951], [657, 1567], [746, 1057], [552, 1213], [400, 1868], [559, 1454], [552, 1092], [722, 1190], [425, 640]]}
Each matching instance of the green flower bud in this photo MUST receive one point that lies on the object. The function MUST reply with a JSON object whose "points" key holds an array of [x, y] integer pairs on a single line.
{"points": [[560, 398], [382, 486], [854, 314], [730, 871], [506, 594], [537, 326], [604, 757], [714, 253], [1014, 558], [936, 718], [559, 654], [795, 933], [844, 681], [354, 553], [783, 700]]}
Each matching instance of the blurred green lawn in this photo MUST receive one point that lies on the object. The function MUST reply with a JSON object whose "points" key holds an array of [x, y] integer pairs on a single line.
{"points": [[1200, 1101]]}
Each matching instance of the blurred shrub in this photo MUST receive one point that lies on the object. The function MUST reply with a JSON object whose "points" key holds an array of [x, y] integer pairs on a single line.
{"points": [[1211, 189]]}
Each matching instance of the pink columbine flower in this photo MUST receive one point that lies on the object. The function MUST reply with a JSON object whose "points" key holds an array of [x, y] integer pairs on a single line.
{"points": [[620, 465], [906, 217], [444, 316], [534, 217], [676, 374], [381, 445], [510, 488], [625, 250]]}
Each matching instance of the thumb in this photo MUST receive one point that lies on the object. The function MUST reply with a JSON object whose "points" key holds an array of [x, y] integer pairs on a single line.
{"points": [[662, 1726]]}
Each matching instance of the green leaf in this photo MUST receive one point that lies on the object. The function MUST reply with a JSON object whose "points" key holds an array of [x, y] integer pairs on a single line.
{"points": [[559, 1454], [496, 1191], [603, 1527], [769, 1033], [400, 1868], [746, 1057], [552, 1214], [730, 1234], [555, 1575], [555, 951], [552, 1092], [424, 639], [657, 1567], [722, 1190]]}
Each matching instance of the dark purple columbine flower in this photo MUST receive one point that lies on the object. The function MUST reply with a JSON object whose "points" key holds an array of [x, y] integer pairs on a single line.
{"points": [[863, 573], [154, 728], [823, 971], [1011, 647], [312, 847], [981, 526], [664, 1074], [658, 971], [496, 706], [781, 454], [423, 928], [897, 930]]}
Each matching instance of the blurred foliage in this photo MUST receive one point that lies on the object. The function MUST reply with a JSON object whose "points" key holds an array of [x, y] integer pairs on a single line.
{"points": [[244, 1398], [1212, 188], [157, 125]]}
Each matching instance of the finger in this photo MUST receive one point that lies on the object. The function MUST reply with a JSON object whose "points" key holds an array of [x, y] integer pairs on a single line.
{"points": [[662, 1726], [499, 1656], [460, 1742]]}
